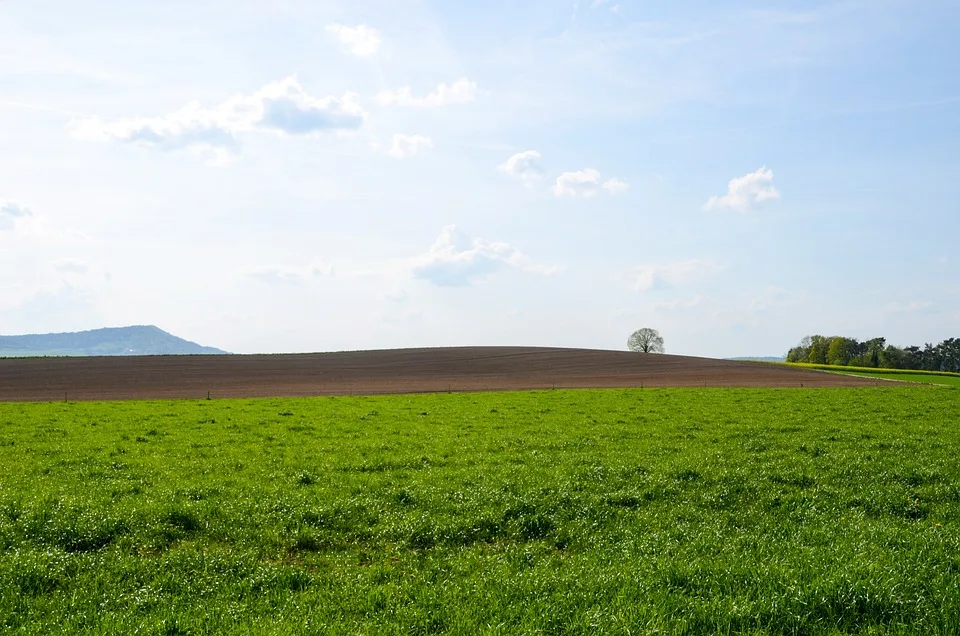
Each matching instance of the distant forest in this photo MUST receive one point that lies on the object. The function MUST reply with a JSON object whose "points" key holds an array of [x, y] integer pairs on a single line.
{"points": [[877, 353]]}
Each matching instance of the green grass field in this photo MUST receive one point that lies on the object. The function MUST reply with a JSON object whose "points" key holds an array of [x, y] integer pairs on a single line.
{"points": [[942, 378], [923, 378], [701, 511]]}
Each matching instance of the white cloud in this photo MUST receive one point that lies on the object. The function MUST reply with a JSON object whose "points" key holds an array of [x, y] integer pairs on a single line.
{"points": [[285, 107], [461, 91], [656, 276], [586, 183], [282, 107], [910, 307], [36, 230], [79, 272], [72, 266], [402, 146], [581, 183], [10, 213], [770, 298], [397, 295], [745, 192], [614, 8], [53, 308], [524, 166], [360, 40], [283, 274], [678, 304], [613, 186], [454, 260]]}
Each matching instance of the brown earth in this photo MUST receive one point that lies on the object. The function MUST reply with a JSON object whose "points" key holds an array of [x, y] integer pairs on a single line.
{"points": [[390, 371]]}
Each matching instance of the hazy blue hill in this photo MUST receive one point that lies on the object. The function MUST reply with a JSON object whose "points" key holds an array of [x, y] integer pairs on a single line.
{"points": [[761, 359], [118, 341]]}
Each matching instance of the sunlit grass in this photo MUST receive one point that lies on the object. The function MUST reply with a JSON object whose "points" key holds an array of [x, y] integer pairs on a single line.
{"points": [[617, 511], [943, 378]]}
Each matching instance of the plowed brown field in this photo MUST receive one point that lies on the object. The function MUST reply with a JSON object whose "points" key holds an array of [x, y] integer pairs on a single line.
{"points": [[389, 371]]}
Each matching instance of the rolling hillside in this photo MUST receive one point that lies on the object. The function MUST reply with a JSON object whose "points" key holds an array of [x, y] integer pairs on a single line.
{"points": [[389, 371], [120, 341]]}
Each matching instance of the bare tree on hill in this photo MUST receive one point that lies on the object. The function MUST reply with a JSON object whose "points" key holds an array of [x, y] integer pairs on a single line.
{"points": [[645, 340]]}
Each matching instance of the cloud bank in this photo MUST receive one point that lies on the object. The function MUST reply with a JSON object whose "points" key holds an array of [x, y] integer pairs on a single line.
{"points": [[10, 213], [461, 91], [668, 275], [524, 166], [402, 146], [283, 274], [746, 192], [360, 40], [454, 260], [586, 183], [282, 107]]}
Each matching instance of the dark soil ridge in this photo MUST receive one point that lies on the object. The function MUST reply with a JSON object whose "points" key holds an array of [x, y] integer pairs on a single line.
{"points": [[385, 372]]}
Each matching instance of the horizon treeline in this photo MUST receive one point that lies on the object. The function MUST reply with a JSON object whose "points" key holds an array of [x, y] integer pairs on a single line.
{"points": [[876, 353]]}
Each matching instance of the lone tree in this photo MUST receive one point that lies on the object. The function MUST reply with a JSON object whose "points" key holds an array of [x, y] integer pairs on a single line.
{"points": [[645, 340]]}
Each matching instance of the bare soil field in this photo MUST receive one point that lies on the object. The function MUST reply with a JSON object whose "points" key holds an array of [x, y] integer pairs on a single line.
{"points": [[388, 371]]}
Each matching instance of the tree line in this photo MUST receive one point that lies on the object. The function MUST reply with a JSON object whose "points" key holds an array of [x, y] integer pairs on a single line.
{"points": [[876, 353]]}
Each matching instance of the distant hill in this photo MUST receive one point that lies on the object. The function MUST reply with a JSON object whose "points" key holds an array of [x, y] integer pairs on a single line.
{"points": [[761, 359], [118, 341]]}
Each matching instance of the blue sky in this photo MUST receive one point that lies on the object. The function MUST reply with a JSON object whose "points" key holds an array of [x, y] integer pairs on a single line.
{"points": [[326, 175]]}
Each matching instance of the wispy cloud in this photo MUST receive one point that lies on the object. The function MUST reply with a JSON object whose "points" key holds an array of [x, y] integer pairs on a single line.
{"points": [[455, 260], [285, 274], [586, 183], [667, 275], [461, 91], [53, 307], [361, 40], [613, 7], [36, 230], [678, 304], [282, 107], [770, 298], [42, 108], [613, 186], [72, 266], [909, 307], [524, 166], [746, 192], [10, 213], [402, 146]]}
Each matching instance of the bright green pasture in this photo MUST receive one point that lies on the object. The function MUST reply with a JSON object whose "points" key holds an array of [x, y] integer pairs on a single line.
{"points": [[924, 378], [706, 511], [943, 378]]}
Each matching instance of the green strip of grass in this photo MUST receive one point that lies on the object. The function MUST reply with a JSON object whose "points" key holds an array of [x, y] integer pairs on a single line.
{"points": [[941, 378], [871, 370], [704, 511]]}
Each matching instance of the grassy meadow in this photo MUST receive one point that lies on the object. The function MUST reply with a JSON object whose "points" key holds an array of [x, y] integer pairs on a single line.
{"points": [[952, 380], [943, 378], [697, 511]]}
